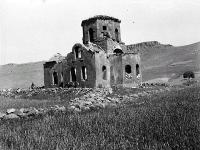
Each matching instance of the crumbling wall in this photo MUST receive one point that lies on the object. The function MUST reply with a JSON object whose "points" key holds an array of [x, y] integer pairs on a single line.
{"points": [[116, 72], [86, 28], [59, 71], [111, 45], [87, 60], [130, 79], [102, 69], [110, 29], [102, 43], [47, 73], [101, 29]]}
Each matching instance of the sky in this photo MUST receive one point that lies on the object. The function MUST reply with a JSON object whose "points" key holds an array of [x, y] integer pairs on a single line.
{"points": [[35, 30]]}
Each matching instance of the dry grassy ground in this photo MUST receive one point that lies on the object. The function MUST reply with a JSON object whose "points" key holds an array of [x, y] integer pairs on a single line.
{"points": [[6, 103], [170, 120]]}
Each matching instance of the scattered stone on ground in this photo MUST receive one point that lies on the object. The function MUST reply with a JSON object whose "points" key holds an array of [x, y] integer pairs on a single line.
{"points": [[10, 116], [11, 110], [84, 98], [2, 115]]}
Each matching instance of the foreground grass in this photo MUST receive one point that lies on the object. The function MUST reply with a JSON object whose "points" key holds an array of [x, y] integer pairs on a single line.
{"points": [[6, 103], [166, 121]]}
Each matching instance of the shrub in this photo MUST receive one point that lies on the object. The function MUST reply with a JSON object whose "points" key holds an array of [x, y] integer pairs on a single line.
{"points": [[188, 74]]}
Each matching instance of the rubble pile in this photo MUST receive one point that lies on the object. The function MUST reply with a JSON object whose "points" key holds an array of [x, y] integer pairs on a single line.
{"points": [[13, 113], [95, 99], [80, 99], [49, 93], [106, 97], [151, 85]]}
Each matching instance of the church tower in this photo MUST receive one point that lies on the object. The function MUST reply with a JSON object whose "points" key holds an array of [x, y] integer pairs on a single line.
{"points": [[99, 28]]}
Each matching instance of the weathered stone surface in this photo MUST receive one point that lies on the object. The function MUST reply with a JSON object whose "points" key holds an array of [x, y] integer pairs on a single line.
{"points": [[85, 108], [11, 110], [32, 112], [2, 115], [22, 115], [77, 109], [10, 116], [60, 108]]}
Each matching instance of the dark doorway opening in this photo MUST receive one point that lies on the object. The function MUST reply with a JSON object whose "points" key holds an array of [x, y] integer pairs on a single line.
{"points": [[73, 74], [55, 78]]}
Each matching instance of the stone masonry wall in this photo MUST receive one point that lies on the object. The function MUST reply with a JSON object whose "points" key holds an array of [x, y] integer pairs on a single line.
{"points": [[130, 80], [100, 61], [86, 60]]}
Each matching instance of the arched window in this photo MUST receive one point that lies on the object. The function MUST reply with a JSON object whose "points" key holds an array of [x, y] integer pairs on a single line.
{"points": [[137, 70], [118, 51], [55, 78], [77, 52], [73, 74], [91, 35], [117, 35], [104, 72], [84, 73], [128, 69]]}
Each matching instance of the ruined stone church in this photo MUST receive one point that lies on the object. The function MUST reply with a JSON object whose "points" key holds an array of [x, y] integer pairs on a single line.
{"points": [[103, 60]]}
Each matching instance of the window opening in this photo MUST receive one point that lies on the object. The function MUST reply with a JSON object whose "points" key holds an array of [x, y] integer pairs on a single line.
{"points": [[61, 79], [137, 70], [104, 72], [117, 35], [128, 69], [55, 78], [91, 35], [73, 74], [77, 52], [84, 73], [118, 51]]}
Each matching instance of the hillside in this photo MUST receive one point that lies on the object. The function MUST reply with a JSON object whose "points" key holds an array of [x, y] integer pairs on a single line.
{"points": [[167, 62], [21, 75], [159, 62]]}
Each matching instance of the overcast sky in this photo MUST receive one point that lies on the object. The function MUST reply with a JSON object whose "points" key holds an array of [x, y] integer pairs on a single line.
{"points": [[35, 30]]}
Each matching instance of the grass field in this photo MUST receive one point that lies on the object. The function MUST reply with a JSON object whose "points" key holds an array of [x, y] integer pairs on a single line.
{"points": [[6, 103], [170, 120], [39, 99]]}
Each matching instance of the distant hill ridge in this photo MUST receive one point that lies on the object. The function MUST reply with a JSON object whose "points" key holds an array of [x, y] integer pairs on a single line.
{"points": [[149, 44]]}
